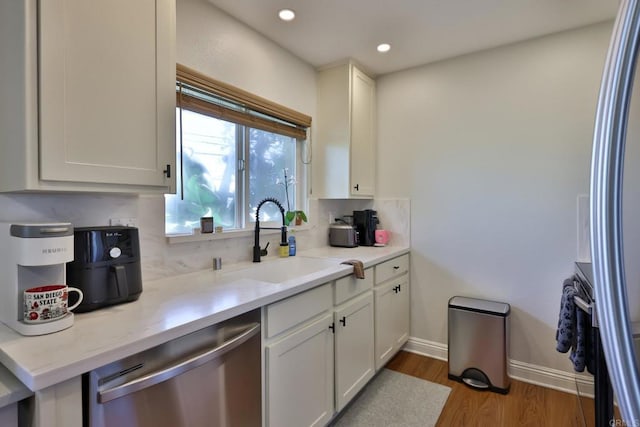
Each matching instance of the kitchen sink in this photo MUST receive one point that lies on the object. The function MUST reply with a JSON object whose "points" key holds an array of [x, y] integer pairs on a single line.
{"points": [[283, 269]]}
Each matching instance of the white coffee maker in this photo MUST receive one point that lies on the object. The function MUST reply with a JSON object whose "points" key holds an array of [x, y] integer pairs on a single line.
{"points": [[32, 255]]}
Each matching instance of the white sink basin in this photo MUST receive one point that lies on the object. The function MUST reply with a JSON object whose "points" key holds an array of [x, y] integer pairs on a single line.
{"points": [[280, 270]]}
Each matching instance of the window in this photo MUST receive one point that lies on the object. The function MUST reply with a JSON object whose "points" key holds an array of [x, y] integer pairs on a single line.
{"points": [[232, 151]]}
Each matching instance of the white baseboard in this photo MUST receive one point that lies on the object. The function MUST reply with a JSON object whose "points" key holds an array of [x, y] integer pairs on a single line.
{"points": [[427, 348], [534, 374]]}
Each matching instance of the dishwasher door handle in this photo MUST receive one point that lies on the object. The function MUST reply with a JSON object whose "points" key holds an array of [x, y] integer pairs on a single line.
{"points": [[177, 369]]}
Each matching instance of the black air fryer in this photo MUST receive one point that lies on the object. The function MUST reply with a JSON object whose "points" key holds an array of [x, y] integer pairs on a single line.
{"points": [[106, 266], [365, 222]]}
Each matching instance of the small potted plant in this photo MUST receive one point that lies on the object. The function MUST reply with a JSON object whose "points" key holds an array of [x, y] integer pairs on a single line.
{"points": [[299, 216], [295, 216]]}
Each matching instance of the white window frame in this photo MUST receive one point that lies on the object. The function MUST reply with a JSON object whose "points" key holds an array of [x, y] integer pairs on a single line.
{"points": [[243, 215]]}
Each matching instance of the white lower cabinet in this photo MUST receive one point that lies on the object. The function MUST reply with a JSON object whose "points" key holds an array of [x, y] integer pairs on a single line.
{"points": [[391, 318], [319, 351], [354, 360], [402, 318], [299, 375]]}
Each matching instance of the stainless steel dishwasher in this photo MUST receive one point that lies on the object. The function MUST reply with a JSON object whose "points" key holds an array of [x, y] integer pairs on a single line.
{"points": [[209, 378]]}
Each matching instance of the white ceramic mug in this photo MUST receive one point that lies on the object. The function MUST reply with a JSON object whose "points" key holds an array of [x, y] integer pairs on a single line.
{"points": [[47, 303]]}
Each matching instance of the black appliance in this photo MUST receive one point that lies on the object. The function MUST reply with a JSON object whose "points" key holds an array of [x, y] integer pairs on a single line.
{"points": [[365, 222], [106, 266], [585, 301]]}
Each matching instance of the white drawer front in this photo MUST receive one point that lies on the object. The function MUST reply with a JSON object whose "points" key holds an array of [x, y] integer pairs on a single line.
{"points": [[292, 311], [392, 268], [348, 287]]}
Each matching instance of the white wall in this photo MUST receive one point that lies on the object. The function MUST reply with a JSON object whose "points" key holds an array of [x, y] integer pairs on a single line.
{"points": [[215, 44], [492, 149]]}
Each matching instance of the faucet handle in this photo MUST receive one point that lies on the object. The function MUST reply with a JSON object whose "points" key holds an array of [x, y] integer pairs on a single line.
{"points": [[263, 252]]}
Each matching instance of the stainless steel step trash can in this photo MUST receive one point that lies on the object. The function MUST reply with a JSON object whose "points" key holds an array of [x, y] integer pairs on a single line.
{"points": [[479, 343]]}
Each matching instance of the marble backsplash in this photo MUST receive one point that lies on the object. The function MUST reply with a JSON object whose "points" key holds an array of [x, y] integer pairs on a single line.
{"points": [[161, 258]]}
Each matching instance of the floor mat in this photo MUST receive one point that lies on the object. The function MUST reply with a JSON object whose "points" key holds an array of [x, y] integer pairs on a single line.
{"points": [[395, 399]]}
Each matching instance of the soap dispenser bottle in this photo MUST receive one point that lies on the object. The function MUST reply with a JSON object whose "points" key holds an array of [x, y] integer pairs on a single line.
{"points": [[292, 245]]}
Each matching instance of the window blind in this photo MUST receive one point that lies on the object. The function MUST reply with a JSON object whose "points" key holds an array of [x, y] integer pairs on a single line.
{"points": [[205, 95]]}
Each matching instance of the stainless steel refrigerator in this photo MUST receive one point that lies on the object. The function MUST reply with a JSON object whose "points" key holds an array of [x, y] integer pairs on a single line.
{"points": [[614, 272]]}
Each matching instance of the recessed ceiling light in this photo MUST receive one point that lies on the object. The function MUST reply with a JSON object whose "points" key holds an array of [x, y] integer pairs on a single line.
{"points": [[384, 47], [287, 14]]}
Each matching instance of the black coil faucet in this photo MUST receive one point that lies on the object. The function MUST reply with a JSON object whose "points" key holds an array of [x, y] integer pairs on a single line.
{"points": [[257, 252]]}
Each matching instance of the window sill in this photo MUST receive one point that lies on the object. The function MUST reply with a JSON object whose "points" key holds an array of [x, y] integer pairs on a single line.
{"points": [[231, 234]]}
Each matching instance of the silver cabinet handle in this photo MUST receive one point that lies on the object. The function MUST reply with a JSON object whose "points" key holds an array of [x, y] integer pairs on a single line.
{"points": [[606, 209], [175, 370]]}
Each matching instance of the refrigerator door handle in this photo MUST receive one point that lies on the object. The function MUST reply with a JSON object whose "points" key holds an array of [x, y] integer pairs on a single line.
{"points": [[606, 209]]}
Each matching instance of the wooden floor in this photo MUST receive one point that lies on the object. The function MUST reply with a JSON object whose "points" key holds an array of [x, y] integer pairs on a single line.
{"points": [[525, 404]]}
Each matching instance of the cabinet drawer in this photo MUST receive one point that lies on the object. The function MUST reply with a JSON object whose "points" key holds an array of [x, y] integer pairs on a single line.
{"points": [[348, 287], [392, 268], [292, 311]]}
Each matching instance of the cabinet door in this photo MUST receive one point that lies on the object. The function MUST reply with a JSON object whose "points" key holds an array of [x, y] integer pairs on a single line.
{"points": [[362, 134], [384, 321], [401, 315], [392, 318], [107, 91], [300, 377], [354, 350]]}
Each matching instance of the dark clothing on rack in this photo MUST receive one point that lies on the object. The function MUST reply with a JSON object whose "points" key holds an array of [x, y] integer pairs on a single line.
{"points": [[583, 354], [574, 328], [567, 317]]}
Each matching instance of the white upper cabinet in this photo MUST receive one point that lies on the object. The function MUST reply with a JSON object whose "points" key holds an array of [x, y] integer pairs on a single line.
{"points": [[93, 88], [344, 150]]}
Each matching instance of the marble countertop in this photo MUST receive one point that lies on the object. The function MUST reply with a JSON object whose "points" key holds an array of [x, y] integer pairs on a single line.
{"points": [[11, 389], [172, 307]]}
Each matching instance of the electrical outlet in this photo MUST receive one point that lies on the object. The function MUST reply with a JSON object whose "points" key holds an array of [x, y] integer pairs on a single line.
{"points": [[127, 222]]}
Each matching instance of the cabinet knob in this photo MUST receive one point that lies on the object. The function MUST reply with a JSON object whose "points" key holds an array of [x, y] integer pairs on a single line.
{"points": [[167, 171], [356, 187], [395, 267], [332, 327], [343, 321]]}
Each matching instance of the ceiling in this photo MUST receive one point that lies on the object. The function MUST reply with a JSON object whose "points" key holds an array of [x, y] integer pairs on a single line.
{"points": [[419, 31]]}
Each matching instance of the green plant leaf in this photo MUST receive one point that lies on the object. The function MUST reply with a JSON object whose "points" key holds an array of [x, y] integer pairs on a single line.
{"points": [[302, 215], [288, 217]]}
